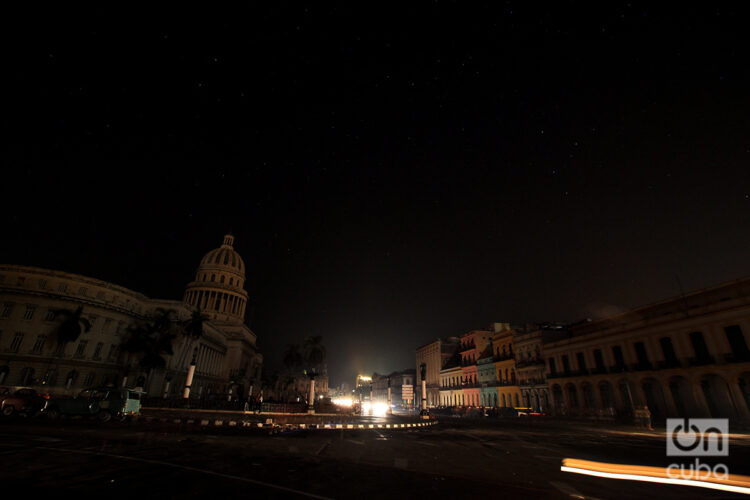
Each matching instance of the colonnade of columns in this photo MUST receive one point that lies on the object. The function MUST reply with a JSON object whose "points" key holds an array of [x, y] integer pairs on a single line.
{"points": [[715, 394], [214, 301]]}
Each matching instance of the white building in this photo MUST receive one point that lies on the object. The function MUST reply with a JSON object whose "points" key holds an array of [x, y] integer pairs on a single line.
{"points": [[226, 354]]}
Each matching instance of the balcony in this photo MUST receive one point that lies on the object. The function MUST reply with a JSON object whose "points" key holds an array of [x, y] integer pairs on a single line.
{"points": [[702, 360], [529, 362], [737, 358], [530, 382], [642, 366], [668, 363], [467, 347]]}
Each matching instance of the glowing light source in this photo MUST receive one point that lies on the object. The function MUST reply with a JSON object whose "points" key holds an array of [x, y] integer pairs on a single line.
{"points": [[733, 482]]}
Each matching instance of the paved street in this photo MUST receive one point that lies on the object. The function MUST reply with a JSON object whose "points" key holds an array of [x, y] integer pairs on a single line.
{"points": [[454, 459]]}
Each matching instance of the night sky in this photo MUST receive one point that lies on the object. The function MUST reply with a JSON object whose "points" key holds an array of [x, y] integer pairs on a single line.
{"points": [[391, 176]]}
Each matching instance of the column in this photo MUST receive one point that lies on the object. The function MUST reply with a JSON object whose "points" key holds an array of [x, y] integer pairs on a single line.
{"points": [[739, 399]]}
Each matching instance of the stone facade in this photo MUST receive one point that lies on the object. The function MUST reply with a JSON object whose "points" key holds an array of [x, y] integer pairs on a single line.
{"points": [[434, 355], [226, 354], [684, 356]]}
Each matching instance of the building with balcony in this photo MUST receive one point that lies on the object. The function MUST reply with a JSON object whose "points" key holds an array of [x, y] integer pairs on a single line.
{"points": [[686, 356], [508, 390], [31, 299], [530, 367]]}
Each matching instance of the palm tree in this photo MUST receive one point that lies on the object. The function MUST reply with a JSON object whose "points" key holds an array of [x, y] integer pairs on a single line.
{"points": [[68, 330], [293, 359], [314, 353], [152, 339], [192, 331]]}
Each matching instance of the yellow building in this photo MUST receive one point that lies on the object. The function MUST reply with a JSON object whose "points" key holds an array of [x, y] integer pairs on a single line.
{"points": [[226, 354], [508, 390]]}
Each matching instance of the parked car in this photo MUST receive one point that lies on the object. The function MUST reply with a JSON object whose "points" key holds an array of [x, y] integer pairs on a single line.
{"points": [[22, 400], [103, 403]]}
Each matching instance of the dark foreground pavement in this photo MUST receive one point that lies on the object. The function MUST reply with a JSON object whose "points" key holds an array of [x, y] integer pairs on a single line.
{"points": [[455, 459]]}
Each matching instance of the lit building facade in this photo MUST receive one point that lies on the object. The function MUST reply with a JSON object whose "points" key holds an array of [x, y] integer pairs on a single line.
{"points": [[684, 356], [508, 390], [227, 358], [434, 355], [529, 354]]}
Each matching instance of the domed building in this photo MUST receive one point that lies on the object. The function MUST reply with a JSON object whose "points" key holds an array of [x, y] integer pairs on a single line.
{"points": [[226, 354]]}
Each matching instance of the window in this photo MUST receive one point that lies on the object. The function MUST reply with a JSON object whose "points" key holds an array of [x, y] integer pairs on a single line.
{"points": [[231, 280], [100, 295], [737, 342], [21, 281], [107, 323], [619, 359], [82, 291], [89, 379], [566, 363], [699, 347], [59, 348], [29, 312], [599, 359], [667, 349], [581, 361], [222, 279], [111, 354], [213, 277], [98, 350], [2, 278], [39, 344], [42, 284], [552, 369], [92, 320], [7, 308], [81, 348], [640, 352], [50, 316], [16, 344], [62, 287]]}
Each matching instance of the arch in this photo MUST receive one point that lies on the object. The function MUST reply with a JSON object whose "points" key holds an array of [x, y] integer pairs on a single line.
{"points": [[606, 394], [683, 397], [558, 399], [652, 391], [589, 401], [743, 383], [716, 392], [572, 393]]}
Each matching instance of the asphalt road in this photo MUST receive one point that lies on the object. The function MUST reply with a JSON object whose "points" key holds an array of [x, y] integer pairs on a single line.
{"points": [[454, 459]]}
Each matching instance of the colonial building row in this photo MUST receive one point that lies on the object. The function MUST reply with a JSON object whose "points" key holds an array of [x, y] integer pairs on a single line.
{"points": [[684, 356], [227, 358]]}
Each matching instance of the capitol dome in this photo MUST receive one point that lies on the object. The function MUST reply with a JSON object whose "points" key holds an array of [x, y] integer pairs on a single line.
{"points": [[218, 287]]}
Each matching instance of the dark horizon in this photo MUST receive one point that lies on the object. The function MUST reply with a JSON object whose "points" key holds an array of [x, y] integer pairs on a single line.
{"points": [[386, 186]]}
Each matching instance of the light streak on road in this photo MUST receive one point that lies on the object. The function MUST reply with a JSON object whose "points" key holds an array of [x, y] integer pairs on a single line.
{"points": [[733, 482]]}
